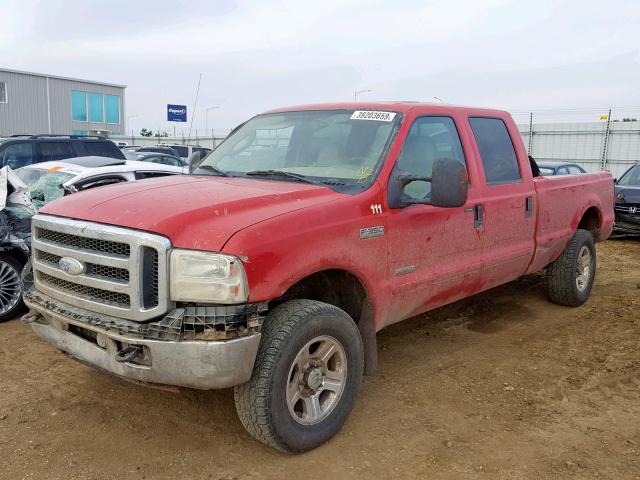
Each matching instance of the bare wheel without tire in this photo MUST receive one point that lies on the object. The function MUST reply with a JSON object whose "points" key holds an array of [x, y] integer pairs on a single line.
{"points": [[10, 288], [570, 277], [306, 376]]}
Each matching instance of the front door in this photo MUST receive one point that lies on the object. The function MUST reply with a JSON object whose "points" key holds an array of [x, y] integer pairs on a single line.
{"points": [[434, 253]]}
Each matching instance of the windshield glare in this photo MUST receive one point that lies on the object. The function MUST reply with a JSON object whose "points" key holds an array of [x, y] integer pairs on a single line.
{"points": [[45, 186], [631, 178], [321, 144]]}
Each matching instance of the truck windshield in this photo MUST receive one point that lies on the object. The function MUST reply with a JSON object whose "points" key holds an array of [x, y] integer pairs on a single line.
{"points": [[334, 147]]}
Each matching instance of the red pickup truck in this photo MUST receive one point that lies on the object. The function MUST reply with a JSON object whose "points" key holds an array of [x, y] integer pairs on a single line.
{"points": [[272, 266]]}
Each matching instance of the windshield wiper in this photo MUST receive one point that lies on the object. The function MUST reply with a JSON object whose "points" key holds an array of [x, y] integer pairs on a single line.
{"points": [[296, 176], [213, 169]]}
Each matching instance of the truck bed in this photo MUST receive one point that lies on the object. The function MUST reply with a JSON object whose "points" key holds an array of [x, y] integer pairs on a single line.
{"points": [[562, 201]]}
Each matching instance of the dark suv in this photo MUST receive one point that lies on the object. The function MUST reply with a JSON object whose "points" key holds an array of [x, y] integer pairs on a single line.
{"points": [[22, 150]]}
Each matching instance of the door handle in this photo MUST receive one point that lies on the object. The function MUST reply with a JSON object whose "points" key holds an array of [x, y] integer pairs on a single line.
{"points": [[528, 207], [478, 216]]}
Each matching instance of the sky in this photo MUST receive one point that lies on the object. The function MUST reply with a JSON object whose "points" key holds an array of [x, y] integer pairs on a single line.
{"points": [[564, 60]]}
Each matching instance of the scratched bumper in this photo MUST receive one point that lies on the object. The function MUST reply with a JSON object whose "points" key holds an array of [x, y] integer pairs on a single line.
{"points": [[191, 364]]}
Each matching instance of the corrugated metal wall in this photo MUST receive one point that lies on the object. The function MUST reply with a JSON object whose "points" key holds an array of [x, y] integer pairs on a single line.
{"points": [[584, 143], [26, 110]]}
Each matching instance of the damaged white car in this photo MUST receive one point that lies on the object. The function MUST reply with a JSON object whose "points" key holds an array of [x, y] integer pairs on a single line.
{"points": [[27, 189]]}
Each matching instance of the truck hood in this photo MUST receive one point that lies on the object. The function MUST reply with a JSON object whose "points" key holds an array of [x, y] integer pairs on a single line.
{"points": [[631, 194], [194, 212]]}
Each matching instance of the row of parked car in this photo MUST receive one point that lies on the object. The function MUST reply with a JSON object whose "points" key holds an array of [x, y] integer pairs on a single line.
{"points": [[38, 169]]}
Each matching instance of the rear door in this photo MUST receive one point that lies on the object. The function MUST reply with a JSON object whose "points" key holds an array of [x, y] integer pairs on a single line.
{"points": [[507, 201]]}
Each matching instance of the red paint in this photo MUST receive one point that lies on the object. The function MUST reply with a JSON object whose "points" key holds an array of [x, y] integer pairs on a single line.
{"points": [[290, 230]]}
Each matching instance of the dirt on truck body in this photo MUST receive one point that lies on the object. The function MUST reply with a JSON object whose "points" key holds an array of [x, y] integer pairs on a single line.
{"points": [[504, 385], [304, 233]]}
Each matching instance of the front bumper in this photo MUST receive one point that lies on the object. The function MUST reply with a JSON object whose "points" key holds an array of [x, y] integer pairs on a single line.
{"points": [[626, 223], [192, 364]]}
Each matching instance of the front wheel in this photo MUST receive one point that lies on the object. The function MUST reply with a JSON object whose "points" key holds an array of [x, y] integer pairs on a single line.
{"points": [[306, 376], [11, 303], [570, 277]]}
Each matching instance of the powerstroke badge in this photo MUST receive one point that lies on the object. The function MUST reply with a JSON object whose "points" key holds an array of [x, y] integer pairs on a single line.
{"points": [[371, 232]]}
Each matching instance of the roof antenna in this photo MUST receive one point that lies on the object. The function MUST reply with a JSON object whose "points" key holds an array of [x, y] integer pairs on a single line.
{"points": [[193, 114]]}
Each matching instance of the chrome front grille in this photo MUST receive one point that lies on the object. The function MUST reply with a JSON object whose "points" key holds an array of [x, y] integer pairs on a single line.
{"points": [[124, 272]]}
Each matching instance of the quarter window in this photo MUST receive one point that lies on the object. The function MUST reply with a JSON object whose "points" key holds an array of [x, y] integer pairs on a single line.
{"points": [[429, 139], [78, 106], [498, 156]]}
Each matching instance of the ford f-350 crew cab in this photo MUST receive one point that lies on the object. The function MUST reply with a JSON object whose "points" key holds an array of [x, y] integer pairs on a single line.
{"points": [[272, 266]]}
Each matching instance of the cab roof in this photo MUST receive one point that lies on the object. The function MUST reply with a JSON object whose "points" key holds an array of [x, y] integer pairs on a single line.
{"points": [[394, 106]]}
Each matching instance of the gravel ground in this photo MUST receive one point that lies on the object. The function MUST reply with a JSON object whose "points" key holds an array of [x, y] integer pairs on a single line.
{"points": [[502, 385]]}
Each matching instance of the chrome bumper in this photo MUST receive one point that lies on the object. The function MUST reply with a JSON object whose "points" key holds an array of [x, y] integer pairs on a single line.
{"points": [[192, 364]]}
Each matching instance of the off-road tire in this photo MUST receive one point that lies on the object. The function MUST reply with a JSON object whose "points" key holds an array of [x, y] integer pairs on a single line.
{"points": [[561, 274], [19, 307], [262, 403]]}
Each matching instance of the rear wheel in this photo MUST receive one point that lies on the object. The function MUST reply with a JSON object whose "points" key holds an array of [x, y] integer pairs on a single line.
{"points": [[11, 303], [306, 377], [570, 277]]}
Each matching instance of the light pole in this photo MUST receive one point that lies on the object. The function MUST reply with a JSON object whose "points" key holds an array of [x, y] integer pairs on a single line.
{"points": [[206, 118], [129, 119], [358, 92]]}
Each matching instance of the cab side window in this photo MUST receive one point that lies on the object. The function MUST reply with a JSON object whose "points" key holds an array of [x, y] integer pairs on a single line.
{"points": [[498, 155], [429, 139], [50, 151]]}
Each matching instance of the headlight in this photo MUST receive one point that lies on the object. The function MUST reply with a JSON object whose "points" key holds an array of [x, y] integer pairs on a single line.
{"points": [[207, 277]]}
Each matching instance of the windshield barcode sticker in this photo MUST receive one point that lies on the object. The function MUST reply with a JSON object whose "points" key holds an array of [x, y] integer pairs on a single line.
{"points": [[373, 115]]}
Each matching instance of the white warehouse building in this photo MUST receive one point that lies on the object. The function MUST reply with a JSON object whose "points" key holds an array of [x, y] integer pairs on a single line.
{"points": [[35, 103]]}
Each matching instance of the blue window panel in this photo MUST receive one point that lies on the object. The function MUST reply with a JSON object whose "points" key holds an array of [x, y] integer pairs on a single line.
{"points": [[79, 132], [78, 106], [112, 106], [96, 113]]}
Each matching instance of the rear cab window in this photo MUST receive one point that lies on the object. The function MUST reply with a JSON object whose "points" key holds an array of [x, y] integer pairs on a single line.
{"points": [[498, 155]]}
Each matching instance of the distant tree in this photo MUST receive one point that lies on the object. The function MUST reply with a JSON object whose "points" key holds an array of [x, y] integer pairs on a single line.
{"points": [[163, 134], [145, 133], [629, 119]]}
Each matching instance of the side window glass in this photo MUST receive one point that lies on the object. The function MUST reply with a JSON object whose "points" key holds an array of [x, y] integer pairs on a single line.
{"points": [[18, 155], [575, 170], [498, 156], [102, 148], [563, 171], [429, 138], [55, 151]]}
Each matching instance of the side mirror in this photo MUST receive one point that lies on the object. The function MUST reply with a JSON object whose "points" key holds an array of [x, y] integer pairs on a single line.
{"points": [[449, 186], [615, 180], [449, 183]]}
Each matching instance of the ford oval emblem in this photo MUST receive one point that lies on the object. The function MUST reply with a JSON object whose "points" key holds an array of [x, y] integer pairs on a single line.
{"points": [[71, 266]]}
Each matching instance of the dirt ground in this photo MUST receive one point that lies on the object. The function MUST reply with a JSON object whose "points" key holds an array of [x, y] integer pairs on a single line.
{"points": [[503, 385]]}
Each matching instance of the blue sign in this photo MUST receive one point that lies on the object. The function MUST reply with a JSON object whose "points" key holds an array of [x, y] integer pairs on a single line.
{"points": [[176, 113]]}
